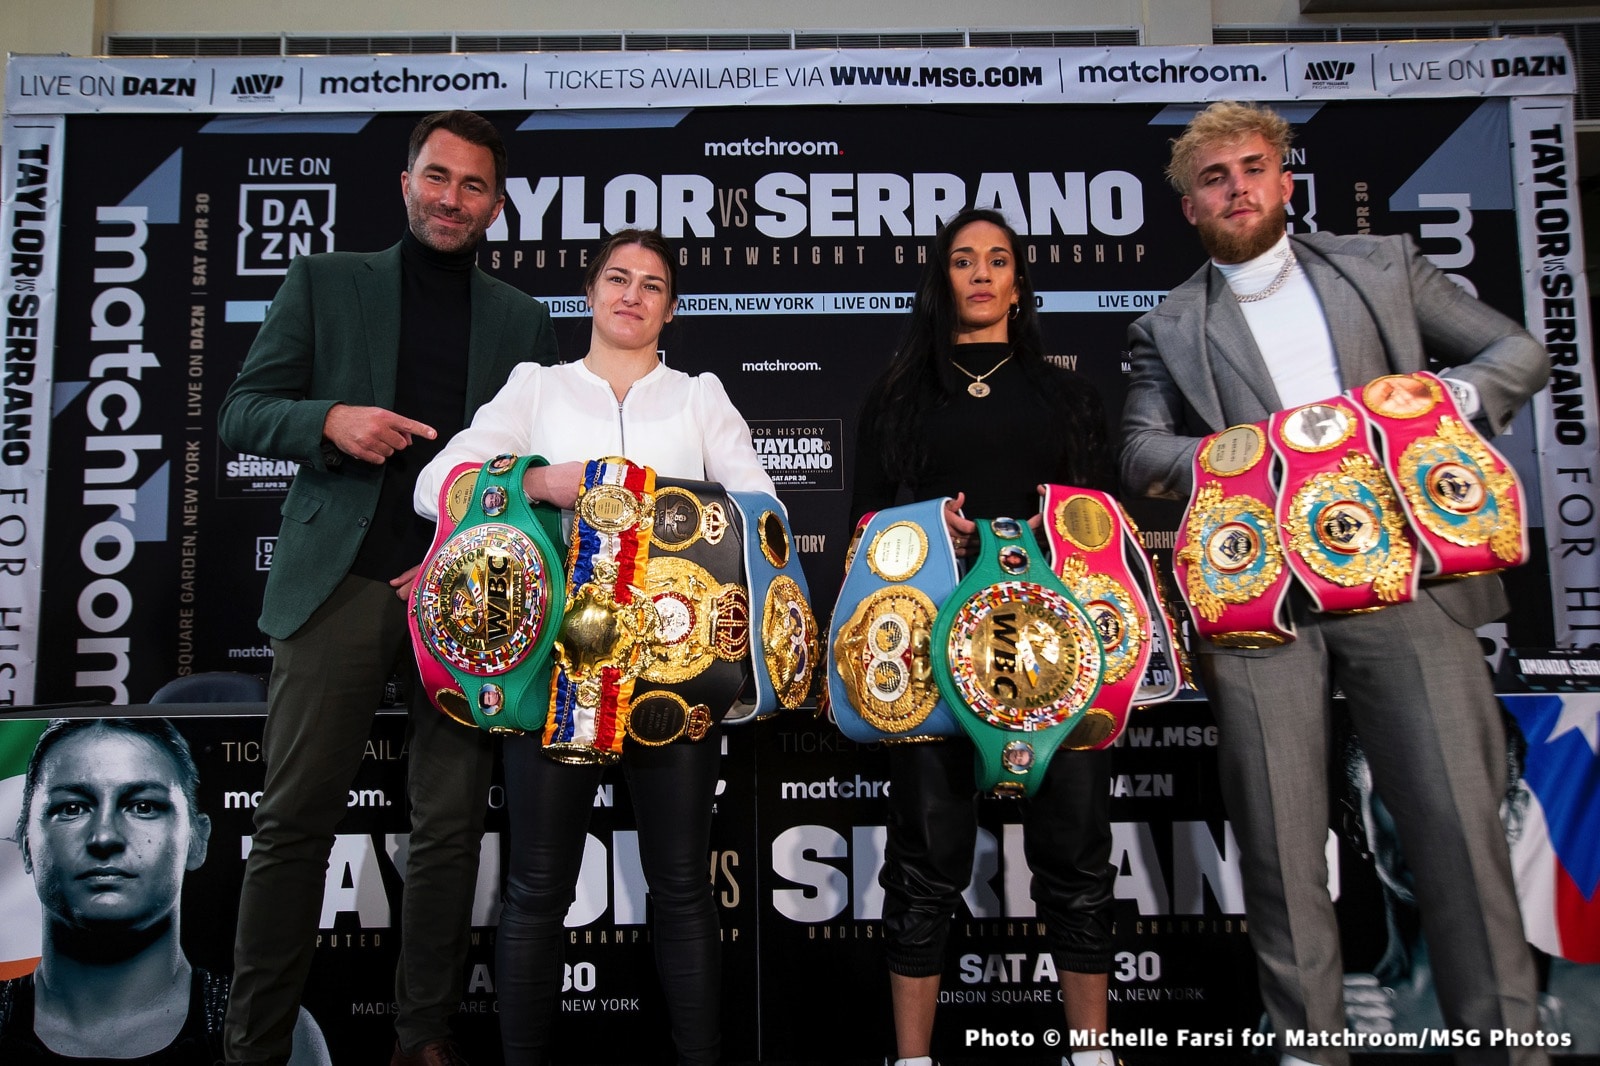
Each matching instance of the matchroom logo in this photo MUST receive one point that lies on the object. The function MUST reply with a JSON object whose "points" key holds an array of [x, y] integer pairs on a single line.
{"points": [[279, 222]]}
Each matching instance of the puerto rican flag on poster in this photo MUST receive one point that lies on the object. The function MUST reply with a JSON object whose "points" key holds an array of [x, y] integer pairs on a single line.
{"points": [[1557, 851]]}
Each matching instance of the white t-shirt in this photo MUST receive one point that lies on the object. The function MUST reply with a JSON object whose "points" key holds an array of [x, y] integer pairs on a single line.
{"points": [[680, 426]]}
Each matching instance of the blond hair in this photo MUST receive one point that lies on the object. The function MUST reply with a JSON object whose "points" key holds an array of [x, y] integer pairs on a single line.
{"points": [[1224, 122]]}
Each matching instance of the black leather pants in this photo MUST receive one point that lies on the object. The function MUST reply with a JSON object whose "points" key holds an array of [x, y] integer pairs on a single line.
{"points": [[933, 825], [549, 805]]}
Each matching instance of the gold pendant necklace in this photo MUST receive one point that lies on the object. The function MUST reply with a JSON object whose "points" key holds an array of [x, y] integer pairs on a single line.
{"points": [[978, 388]]}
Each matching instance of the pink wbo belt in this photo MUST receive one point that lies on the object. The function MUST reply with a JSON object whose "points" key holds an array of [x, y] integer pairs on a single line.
{"points": [[1345, 534], [1230, 563], [1095, 550], [1463, 500]]}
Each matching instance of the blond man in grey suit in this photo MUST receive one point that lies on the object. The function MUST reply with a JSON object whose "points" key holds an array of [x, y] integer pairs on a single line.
{"points": [[1271, 322]]}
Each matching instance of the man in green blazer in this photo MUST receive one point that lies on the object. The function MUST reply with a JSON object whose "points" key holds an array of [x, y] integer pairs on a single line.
{"points": [[364, 366]]}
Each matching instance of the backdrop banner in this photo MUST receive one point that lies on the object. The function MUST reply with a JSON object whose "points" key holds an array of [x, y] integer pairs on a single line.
{"points": [[796, 278]]}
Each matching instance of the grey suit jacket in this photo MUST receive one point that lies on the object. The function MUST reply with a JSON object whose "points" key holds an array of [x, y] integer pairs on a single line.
{"points": [[332, 336], [1196, 369]]}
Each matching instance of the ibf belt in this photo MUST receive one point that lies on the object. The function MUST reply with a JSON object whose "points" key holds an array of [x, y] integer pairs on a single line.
{"points": [[1016, 657], [1095, 550], [880, 656], [695, 577], [606, 636], [1346, 536], [1230, 563], [825, 690], [785, 640], [1462, 498], [485, 604]]}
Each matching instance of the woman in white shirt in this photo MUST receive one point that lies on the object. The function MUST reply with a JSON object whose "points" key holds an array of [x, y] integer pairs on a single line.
{"points": [[621, 400]]}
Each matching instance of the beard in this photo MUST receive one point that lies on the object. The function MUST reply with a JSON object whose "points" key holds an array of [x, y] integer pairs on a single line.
{"points": [[442, 238], [1234, 246]]}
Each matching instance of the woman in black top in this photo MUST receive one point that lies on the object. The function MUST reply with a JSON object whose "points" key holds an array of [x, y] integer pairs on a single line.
{"points": [[970, 409]]}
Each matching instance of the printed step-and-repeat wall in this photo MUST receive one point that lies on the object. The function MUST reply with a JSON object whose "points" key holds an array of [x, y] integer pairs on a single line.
{"points": [[151, 208]]}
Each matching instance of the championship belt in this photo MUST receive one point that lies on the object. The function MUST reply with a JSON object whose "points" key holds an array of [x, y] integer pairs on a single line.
{"points": [[695, 577], [606, 637], [825, 690], [1095, 550], [1346, 535], [1229, 563], [785, 639], [1016, 657], [454, 496], [483, 608], [880, 675], [1462, 498]]}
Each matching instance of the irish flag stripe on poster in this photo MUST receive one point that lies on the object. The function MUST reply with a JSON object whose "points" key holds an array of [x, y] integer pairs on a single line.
{"points": [[19, 933]]}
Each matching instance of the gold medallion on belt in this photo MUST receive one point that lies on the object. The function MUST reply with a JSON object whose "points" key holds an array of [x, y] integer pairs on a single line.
{"points": [[699, 620], [1024, 657], [882, 654], [1346, 524], [483, 597], [1457, 492], [657, 718], [1116, 617], [789, 641], [612, 509], [599, 632], [682, 518], [1231, 552]]}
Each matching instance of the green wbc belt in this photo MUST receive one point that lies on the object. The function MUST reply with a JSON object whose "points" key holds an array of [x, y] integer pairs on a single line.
{"points": [[1016, 657], [487, 602]]}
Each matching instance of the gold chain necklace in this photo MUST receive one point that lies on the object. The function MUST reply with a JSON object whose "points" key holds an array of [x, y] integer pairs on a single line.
{"points": [[1272, 286], [978, 388]]}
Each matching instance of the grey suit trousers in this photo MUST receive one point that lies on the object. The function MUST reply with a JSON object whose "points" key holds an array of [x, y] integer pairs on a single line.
{"points": [[327, 681], [1419, 695]]}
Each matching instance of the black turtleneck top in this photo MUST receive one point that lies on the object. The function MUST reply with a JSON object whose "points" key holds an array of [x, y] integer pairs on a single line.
{"points": [[996, 448], [431, 387]]}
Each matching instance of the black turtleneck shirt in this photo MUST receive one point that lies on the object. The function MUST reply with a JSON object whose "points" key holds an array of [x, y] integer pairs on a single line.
{"points": [[430, 387], [996, 448]]}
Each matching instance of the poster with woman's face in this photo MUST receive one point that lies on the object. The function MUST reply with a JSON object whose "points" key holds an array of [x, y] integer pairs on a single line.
{"points": [[110, 830]]}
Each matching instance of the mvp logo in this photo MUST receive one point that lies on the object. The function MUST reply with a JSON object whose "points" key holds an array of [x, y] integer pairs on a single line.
{"points": [[257, 84], [1329, 70], [279, 222]]}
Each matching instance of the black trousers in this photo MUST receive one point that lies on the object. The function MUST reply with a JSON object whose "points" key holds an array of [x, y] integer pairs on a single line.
{"points": [[673, 789], [326, 683], [933, 828]]}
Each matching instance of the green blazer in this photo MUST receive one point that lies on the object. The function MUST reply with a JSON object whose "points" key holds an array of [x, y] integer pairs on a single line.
{"points": [[332, 335]]}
